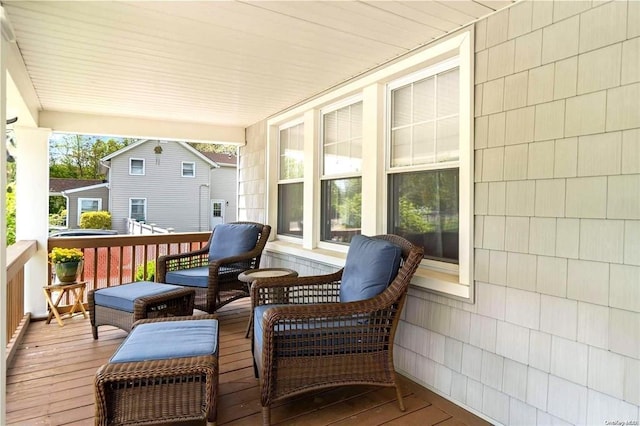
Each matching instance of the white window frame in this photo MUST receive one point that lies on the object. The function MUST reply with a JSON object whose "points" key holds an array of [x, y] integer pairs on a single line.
{"points": [[441, 67], [183, 169], [350, 101], [131, 205], [284, 126], [144, 165], [372, 86], [80, 211]]}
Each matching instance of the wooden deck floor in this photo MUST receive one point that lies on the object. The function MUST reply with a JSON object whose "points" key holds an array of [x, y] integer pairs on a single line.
{"points": [[51, 383]]}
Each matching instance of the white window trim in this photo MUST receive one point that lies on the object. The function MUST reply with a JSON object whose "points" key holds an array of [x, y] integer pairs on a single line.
{"points": [[80, 200], [182, 169], [372, 87], [144, 167], [145, 206]]}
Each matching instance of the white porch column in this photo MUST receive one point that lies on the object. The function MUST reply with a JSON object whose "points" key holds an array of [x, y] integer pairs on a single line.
{"points": [[32, 209], [5, 39]]}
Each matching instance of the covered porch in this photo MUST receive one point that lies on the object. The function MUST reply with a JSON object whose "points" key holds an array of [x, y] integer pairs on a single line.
{"points": [[51, 382], [537, 323]]}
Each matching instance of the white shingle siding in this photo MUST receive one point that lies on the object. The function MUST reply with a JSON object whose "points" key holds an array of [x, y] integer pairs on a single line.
{"points": [[557, 233]]}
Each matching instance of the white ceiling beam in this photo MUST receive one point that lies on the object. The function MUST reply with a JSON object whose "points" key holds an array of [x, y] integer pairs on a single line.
{"points": [[89, 124]]}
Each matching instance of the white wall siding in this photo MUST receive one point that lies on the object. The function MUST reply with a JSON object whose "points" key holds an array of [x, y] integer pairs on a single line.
{"points": [[224, 186], [173, 201], [554, 334]]}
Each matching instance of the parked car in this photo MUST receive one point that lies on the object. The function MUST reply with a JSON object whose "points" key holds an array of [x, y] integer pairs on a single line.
{"points": [[83, 232]]}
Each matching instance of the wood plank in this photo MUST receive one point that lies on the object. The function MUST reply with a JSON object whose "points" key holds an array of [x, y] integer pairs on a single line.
{"points": [[52, 376]]}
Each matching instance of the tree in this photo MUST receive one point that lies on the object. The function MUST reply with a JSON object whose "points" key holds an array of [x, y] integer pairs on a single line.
{"points": [[11, 213], [78, 156], [214, 147]]}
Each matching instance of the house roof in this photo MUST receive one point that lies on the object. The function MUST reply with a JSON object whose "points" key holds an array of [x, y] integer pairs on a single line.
{"points": [[215, 62], [186, 146], [221, 158], [65, 184]]}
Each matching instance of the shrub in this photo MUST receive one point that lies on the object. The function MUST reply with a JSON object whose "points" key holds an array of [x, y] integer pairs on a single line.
{"points": [[151, 271], [95, 220]]}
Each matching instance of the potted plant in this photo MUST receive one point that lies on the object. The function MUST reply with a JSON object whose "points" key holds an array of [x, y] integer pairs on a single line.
{"points": [[68, 263]]}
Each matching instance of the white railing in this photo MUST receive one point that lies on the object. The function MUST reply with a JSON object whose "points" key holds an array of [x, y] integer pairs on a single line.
{"points": [[140, 228]]}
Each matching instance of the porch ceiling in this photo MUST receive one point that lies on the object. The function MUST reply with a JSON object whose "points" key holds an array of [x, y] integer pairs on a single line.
{"points": [[216, 62]]}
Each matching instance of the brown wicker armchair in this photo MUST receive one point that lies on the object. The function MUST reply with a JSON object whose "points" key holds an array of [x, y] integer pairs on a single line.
{"points": [[213, 270], [300, 346]]}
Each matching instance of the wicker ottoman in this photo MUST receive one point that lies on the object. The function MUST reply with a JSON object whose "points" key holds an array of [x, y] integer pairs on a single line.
{"points": [[121, 306], [166, 371]]}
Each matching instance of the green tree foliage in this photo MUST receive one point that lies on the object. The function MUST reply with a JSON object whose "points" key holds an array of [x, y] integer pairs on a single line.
{"points": [[11, 213], [219, 148], [58, 219], [95, 220], [78, 156], [151, 271]]}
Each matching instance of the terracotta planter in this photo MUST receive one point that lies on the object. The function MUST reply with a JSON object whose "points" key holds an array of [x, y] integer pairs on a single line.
{"points": [[68, 272]]}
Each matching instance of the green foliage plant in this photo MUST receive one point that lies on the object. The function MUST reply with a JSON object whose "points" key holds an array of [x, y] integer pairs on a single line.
{"points": [[95, 220], [151, 271], [11, 213], [62, 255]]}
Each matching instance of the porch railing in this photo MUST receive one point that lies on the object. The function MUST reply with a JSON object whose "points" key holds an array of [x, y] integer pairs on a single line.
{"points": [[18, 255], [114, 260]]}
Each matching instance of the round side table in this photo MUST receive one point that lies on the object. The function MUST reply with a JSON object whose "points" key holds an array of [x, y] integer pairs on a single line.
{"points": [[253, 274]]}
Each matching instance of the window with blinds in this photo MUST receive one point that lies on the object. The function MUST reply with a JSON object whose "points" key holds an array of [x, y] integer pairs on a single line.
{"points": [[290, 183], [341, 182]]}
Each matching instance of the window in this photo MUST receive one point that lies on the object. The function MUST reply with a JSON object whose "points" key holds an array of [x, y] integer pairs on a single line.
{"points": [[424, 153], [388, 152], [136, 166], [290, 186], [341, 185], [188, 169], [138, 209], [88, 205]]}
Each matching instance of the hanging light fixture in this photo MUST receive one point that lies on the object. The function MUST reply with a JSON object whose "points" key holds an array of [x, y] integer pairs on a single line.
{"points": [[158, 151]]}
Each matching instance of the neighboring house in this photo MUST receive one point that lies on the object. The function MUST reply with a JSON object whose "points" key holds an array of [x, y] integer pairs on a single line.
{"points": [[82, 195], [165, 183], [223, 188]]}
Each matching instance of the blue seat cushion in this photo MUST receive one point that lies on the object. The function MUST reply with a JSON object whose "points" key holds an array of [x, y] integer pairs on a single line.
{"points": [[232, 239], [169, 339], [122, 297], [193, 277], [370, 267]]}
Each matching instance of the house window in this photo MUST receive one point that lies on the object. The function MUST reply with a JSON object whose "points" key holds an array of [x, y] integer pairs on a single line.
{"points": [[424, 160], [341, 183], [290, 185], [411, 165], [188, 169], [136, 166], [138, 209], [88, 205]]}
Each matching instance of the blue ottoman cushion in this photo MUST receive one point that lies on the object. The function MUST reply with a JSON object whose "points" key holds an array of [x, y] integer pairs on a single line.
{"points": [[123, 297], [169, 339]]}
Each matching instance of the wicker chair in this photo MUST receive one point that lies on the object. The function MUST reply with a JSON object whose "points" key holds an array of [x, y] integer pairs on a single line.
{"points": [[300, 346], [213, 270]]}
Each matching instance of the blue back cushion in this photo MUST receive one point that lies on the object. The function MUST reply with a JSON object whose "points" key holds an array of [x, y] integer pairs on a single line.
{"points": [[169, 339], [232, 239], [370, 267]]}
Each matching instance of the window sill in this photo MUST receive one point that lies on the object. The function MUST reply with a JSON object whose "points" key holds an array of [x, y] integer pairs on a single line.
{"points": [[440, 282]]}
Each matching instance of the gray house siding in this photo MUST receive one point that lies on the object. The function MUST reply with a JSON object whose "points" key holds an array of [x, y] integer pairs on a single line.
{"points": [[224, 187], [554, 334], [101, 192], [172, 201]]}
